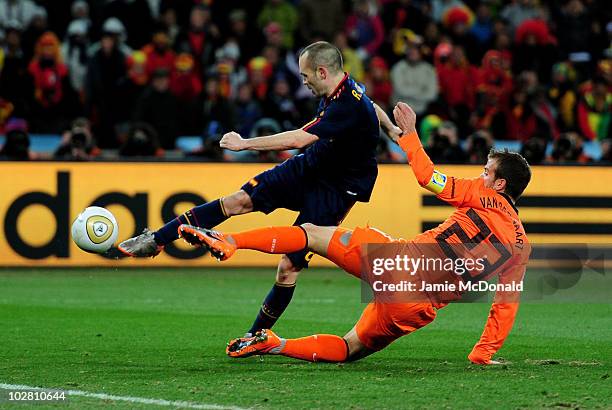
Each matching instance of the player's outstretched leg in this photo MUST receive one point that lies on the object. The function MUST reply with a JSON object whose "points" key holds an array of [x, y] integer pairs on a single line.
{"points": [[207, 215], [280, 239], [316, 348]]}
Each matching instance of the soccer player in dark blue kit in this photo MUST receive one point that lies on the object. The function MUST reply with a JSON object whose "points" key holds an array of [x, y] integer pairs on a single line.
{"points": [[337, 169]]}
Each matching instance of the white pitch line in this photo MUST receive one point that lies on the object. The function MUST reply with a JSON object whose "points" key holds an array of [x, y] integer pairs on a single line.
{"points": [[140, 400]]}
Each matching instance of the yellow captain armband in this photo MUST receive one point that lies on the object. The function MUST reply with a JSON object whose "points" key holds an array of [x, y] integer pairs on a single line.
{"points": [[436, 183]]}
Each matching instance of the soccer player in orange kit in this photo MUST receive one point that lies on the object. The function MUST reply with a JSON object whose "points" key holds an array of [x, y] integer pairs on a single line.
{"points": [[485, 214]]}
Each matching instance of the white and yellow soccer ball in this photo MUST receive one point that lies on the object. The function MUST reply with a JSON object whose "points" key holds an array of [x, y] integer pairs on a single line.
{"points": [[95, 230]]}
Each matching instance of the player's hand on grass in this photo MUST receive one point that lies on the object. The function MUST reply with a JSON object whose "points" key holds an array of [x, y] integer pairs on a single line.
{"points": [[478, 357], [233, 141], [405, 117]]}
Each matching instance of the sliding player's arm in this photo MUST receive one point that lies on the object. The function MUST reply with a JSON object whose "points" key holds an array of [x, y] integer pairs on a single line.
{"points": [[455, 191], [500, 319], [293, 139]]}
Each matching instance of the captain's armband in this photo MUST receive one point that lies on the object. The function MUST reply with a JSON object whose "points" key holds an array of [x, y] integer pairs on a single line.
{"points": [[437, 182]]}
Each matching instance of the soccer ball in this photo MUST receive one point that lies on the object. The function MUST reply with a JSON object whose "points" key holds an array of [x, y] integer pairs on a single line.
{"points": [[95, 230]]}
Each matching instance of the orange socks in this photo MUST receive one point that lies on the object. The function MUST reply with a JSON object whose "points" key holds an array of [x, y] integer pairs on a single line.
{"points": [[317, 348], [279, 239]]}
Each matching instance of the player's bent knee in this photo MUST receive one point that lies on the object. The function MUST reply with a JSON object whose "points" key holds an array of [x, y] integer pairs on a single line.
{"points": [[319, 237], [287, 273], [238, 203], [356, 349]]}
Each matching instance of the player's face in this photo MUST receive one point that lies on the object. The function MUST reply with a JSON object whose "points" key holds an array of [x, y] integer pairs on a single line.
{"points": [[309, 78], [490, 180], [488, 174]]}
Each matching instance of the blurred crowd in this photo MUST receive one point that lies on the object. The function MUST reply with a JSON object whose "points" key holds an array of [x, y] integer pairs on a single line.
{"points": [[131, 76]]}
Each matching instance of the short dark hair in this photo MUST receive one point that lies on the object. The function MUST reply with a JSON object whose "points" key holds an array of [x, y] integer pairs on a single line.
{"points": [[323, 54], [512, 167]]}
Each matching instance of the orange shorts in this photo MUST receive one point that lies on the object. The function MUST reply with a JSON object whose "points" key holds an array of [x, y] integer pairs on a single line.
{"points": [[348, 255], [380, 323]]}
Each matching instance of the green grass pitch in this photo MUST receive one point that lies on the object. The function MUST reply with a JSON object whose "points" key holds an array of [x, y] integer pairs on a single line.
{"points": [[161, 333]]}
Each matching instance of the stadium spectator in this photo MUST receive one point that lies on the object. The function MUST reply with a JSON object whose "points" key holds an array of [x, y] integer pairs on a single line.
{"points": [[219, 115], [431, 39], [534, 150], [52, 93], [444, 145], [403, 14], [158, 52], [74, 53], [519, 11], [185, 83], [482, 30], [574, 29], [259, 71], [106, 69], [17, 11], [378, 83], [320, 19], [546, 114], [248, 39], [186, 86], [281, 106], [458, 21], [478, 147], [563, 95], [199, 38], [535, 49], [168, 19], [283, 13], [440, 7], [130, 87], [364, 28], [17, 144], [283, 59], [159, 107], [352, 62], [595, 111], [494, 86], [15, 82], [503, 44], [248, 110], [606, 151], [568, 148], [517, 121], [457, 79], [141, 141], [77, 142], [37, 27], [135, 16], [79, 11], [414, 81], [112, 27]]}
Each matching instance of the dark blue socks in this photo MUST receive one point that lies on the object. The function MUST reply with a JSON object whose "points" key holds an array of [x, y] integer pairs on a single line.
{"points": [[273, 306], [207, 215]]}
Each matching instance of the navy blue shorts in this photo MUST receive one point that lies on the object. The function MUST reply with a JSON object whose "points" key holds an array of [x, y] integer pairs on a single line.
{"points": [[287, 186]]}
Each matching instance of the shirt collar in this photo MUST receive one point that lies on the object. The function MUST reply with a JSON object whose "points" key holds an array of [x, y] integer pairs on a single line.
{"points": [[337, 90], [507, 198]]}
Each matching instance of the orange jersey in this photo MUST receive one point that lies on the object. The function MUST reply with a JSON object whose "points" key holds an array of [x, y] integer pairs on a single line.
{"points": [[483, 218]]}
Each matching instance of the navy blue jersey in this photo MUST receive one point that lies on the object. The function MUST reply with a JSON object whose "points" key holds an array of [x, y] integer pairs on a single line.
{"points": [[344, 157]]}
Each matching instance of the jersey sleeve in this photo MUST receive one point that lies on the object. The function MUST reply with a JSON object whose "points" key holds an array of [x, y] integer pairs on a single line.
{"points": [[455, 191], [501, 317], [332, 122]]}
